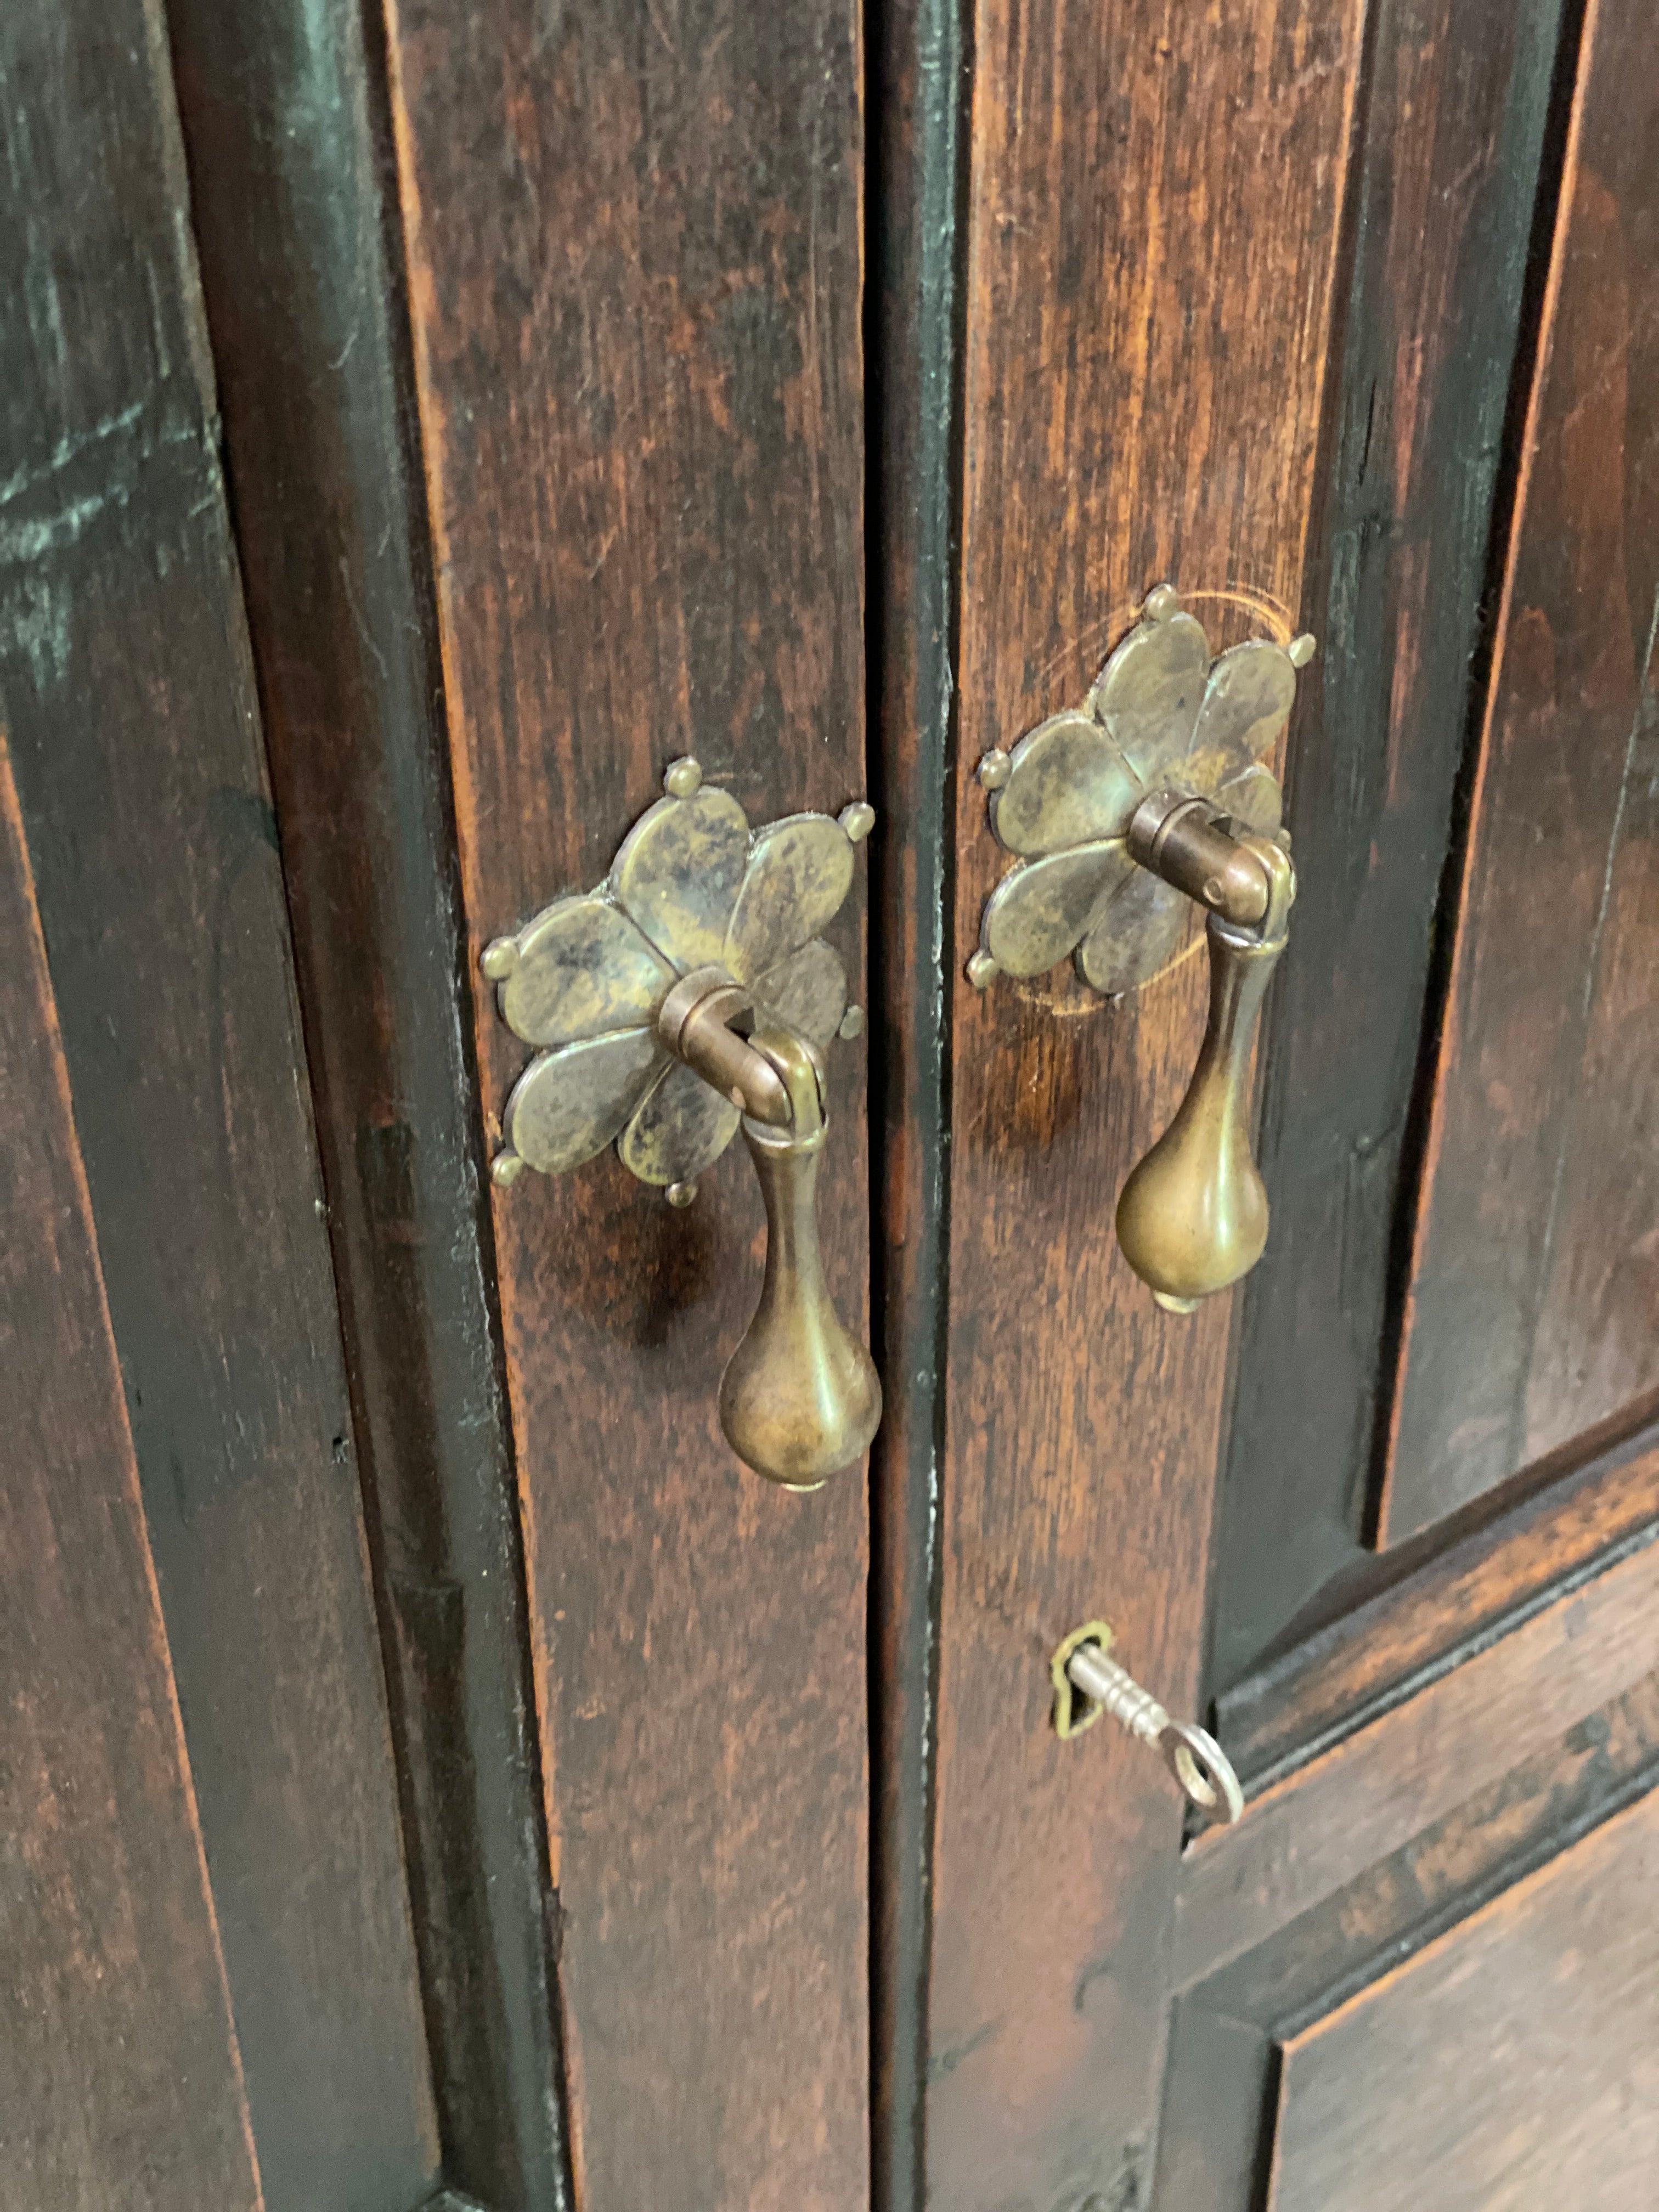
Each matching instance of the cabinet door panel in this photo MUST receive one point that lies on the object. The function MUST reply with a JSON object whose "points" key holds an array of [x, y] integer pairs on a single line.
{"points": [[119, 2075], [1534, 1305], [634, 248], [1155, 214], [1512, 2064]]}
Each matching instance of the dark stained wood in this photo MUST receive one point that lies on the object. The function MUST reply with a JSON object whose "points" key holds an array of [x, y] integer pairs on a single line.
{"points": [[299, 246], [1549, 2000], [919, 142], [633, 242], [1216, 2135], [1533, 1302], [1447, 173], [126, 688], [1436, 1616], [119, 2077], [1306, 1835], [1155, 210]]}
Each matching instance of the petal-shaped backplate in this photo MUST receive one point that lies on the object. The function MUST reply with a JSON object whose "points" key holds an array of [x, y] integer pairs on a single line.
{"points": [[1149, 694], [800, 870], [584, 971], [1141, 931], [681, 1128], [1067, 785], [1040, 909], [569, 1104], [678, 871], [1253, 798], [806, 992], [1251, 689]]}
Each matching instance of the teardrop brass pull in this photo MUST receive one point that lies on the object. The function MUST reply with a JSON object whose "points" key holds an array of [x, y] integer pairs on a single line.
{"points": [[638, 994], [1153, 796], [799, 1398], [1192, 1216]]}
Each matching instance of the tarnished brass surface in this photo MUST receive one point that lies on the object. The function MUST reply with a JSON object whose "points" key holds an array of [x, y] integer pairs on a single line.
{"points": [[586, 979], [1192, 1216], [1150, 803], [1161, 715], [800, 1398], [638, 995], [1181, 840]]}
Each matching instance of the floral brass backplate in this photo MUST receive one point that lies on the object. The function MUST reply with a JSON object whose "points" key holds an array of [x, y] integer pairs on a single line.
{"points": [[1162, 713], [691, 887]]}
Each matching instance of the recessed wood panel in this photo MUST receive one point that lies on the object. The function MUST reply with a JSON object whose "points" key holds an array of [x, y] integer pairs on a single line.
{"points": [[1155, 210], [1369, 1792], [634, 271], [120, 2082], [1512, 2066], [1447, 176], [1534, 1307]]}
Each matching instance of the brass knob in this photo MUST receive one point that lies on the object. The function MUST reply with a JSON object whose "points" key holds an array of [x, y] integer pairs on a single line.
{"points": [[800, 1398], [1192, 1216]]}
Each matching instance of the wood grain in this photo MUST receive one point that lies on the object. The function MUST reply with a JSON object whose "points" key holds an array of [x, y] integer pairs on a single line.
{"points": [[126, 687], [1220, 2105], [295, 223], [1155, 212], [1373, 1651], [1446, 176], [1307, 1834], [1549, 1998], [1533, 1305], [119, 2077], [634, 260]]}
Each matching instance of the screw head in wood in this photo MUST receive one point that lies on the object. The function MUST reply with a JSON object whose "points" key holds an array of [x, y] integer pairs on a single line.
{"points": [[499, 958], [506, 1168], [995, 769], [1302, 649], [681, 1193], [857, 820], [982, 969], [684, 778], [852, 1022]]}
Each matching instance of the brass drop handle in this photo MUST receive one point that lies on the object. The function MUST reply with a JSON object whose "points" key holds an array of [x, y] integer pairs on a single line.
{"points": [[1087, 1683], [1192, 1216], [1152, 796], [799, 1398], [690, 994]]}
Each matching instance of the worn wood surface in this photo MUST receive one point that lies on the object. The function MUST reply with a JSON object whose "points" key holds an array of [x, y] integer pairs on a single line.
{"points": [[919, 136], [299, 246], [1549, 1998], [126, 688], [1533, 1302], [119, 2077], [1155, 210], [636, 319], [1446, 175], [1306, 1835], [1216, 2136], [1455, 1599]]}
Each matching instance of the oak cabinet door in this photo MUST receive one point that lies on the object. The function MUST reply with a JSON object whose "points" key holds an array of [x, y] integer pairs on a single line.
{"points": [[427, 423]]}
